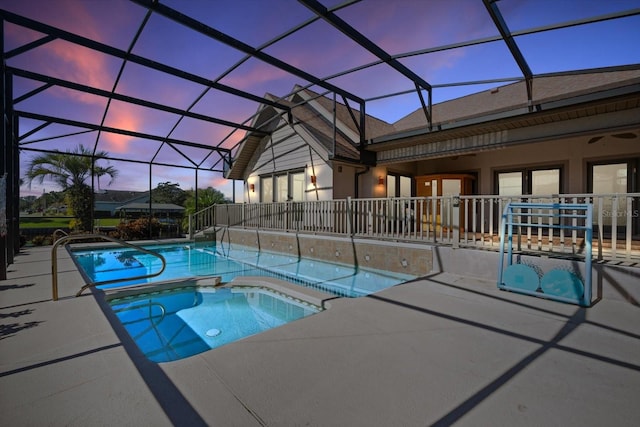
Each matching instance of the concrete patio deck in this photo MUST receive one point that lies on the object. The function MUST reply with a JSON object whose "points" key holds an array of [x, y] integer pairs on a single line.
{"points": [[441, 350]]}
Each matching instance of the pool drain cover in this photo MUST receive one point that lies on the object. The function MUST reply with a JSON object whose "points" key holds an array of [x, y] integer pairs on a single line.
{"points": [[213, 332]]}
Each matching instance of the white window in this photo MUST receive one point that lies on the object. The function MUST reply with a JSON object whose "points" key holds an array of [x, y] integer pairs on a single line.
{"points": [[266, 189], [283, 187], [399, 185], [510, 183], [608, 179], [297, 186], [543, 182]]}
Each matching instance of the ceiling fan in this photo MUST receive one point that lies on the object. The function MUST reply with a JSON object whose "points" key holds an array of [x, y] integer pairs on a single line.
{"points": [[626, 135], [462, 155]]}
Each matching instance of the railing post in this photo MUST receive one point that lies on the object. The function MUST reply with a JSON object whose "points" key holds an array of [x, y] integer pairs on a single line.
{"points": [[614, 225], [586, 298], [628, 225], [434, 217], [455, 211], [600, 227], [54, 272], [349, 218]]}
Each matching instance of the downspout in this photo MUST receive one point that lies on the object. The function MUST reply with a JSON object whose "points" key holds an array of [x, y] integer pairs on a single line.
{"points": [[356, 192]]}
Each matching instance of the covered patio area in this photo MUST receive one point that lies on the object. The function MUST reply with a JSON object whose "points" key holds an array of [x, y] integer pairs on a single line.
{"points": [[444, 349]]}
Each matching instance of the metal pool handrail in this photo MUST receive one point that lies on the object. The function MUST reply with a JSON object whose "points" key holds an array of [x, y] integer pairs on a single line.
{"points": [[61, 231], [163, 311], [65, 239]]}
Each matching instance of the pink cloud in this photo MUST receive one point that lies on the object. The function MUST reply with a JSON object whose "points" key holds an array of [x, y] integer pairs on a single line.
{"points": [[82, 65], [120, 118], [85, 18], [67, 60]]}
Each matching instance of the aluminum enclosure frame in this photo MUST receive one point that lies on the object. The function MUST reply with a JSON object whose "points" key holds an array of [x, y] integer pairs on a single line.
{"points": [[14, 142]]}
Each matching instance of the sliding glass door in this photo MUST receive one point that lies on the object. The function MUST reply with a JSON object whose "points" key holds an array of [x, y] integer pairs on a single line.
{"points": [[542, 182], [609, 180]]}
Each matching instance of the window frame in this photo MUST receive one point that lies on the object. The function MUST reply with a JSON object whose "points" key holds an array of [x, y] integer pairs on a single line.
{"points": [[398, 184], [527, 177], [275, 179]]}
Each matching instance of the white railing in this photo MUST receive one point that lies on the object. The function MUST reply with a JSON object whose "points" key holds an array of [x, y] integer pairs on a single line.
{"points": [[460, 221], [616, 224]]}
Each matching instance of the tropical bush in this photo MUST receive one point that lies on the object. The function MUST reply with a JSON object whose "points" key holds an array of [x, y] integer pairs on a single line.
{"points": [[136, 229], [41, 240]]}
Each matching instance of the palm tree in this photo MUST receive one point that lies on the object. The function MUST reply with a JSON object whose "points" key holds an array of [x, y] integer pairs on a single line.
{"points": [[70, 170], [206, 197]]}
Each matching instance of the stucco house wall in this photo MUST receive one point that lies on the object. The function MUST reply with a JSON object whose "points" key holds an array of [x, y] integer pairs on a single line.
{"points": [[571, 154], [576, 121], [284, 151]]}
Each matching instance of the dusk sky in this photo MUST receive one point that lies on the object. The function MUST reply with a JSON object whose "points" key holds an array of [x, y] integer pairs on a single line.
{"points": [[398, 27]]}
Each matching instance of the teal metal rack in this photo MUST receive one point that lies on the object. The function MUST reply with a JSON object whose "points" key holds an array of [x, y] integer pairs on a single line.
{"points": [[557, 284]]}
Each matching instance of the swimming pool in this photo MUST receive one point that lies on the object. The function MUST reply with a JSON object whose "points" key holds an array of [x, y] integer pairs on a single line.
{"points": [[176, 323], [189, 260], [169, 324]]}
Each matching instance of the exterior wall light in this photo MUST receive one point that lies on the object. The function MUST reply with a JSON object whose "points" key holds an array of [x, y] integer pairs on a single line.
{"points": [[252, 187], [380, 180], [313, 179]]}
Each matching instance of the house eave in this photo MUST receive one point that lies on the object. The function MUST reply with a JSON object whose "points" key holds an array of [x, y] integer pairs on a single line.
{"points": [[243, 157], [616, 99]]}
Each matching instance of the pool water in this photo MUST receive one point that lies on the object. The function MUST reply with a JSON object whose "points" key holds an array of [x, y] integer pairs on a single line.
{"points": [[179, 323], [188, 261], [176, 323]]}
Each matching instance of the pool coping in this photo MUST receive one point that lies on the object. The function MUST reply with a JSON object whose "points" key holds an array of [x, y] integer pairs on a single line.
{"points": [[312, 296]]}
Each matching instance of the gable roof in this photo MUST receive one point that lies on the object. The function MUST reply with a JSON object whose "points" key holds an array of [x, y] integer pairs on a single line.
{"points": [[155, 207], [514, 96], [264, 121], [322, 131], [119, 196], [314, 113], [373, 126]]}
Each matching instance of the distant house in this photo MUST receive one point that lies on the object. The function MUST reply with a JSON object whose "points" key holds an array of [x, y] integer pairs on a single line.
{"points": [[107, 201], [162, 210]]}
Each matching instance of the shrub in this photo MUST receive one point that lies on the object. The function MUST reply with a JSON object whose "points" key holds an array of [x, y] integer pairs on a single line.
{"points": [[41, 240], [79, 199], [138, 229]]}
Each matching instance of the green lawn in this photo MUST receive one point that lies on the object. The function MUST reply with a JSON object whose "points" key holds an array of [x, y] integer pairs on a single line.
{"points": [[58, 222], [107, 222]]}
